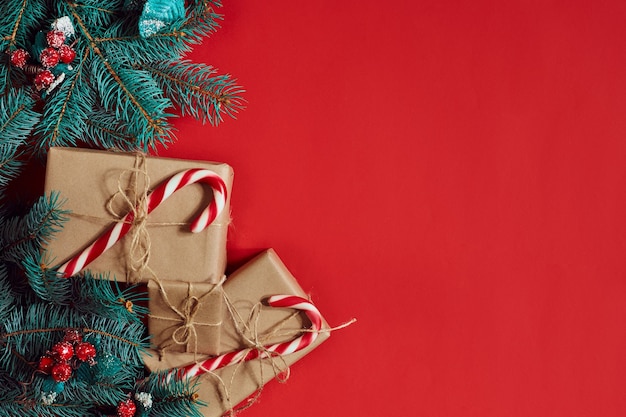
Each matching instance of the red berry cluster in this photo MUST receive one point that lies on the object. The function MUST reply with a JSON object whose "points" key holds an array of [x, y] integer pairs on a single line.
{"points": [[57, 51], [126, 408], [65, 356]]}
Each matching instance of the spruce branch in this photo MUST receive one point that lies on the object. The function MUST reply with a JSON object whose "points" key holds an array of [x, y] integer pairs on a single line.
{"points": [[45, 282], [129, 94], [195, 90], [106, 131], [10, 164], [64, 118], [18, 19], [17, 117], [7, 301], [172, 396], [99, 296], [24, 236], [17, 120]]}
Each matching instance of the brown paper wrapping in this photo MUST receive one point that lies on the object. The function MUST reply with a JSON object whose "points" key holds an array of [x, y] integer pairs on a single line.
{"points": [[88, 178], [260, 278], [187, 318]]}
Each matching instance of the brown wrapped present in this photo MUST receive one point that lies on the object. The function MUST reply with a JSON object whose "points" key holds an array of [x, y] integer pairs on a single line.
{"points": [[101, 187], [227, 388], [185, 317]]}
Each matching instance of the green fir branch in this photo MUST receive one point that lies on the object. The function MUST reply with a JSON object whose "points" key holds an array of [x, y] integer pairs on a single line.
{"points": [[119, 41], [24, 236], [195, 90], [203, 20], [45, 282], [10, 165], [135, 99], [131, 95], [7, 301], [95, 14], [171, 395], [17, 117], [105, 131], [29, 334], [17, 120], [19, 19], [64, 117], [99, 296]]}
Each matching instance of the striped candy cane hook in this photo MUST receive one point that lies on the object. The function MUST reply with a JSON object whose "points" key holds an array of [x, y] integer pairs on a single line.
{"points": [[161, 193], [284, 348]]}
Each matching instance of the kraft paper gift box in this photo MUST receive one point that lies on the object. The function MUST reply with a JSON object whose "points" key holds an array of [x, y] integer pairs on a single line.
{"points": [[227, 388], [88, 179], [185, 316]]}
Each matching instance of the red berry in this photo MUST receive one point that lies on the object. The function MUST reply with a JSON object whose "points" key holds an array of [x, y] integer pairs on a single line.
{"points": [[44, 79], [45, 364], [63, 351], [49, 57], [85, 351], [67, 54], [73, 336], [126, 408], [55, 38], [61, 372], [19, 58]]}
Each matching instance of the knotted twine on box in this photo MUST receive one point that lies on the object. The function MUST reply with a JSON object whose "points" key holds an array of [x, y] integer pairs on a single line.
{"points": [[254, 340], [180, 317], [134, 195]]}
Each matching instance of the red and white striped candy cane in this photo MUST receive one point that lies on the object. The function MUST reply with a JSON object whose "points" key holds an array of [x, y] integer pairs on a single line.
{"points": [[161, 193], [284, 348]]}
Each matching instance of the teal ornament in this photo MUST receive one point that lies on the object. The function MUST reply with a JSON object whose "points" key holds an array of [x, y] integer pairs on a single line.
{"points": [[50, 385], [158, 14], [107, 367], [51, 390]]}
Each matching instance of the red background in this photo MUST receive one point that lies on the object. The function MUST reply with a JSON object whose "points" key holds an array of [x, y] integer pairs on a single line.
{"points": [[452, 174]]}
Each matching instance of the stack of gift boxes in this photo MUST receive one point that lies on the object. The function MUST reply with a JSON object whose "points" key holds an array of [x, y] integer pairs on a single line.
{"points": [[195, 311]]}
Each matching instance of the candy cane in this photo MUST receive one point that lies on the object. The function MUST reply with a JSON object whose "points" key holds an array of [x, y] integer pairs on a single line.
{"points": [[161, 193], [231, 358]]}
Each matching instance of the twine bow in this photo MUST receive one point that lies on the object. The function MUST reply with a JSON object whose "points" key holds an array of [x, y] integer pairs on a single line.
{"points": [[135, 202], [185, 316], [191, 306]]}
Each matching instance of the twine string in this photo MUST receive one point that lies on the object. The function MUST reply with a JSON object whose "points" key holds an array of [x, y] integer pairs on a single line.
{"points": [[186, 332], [248, 330], [135, 203]]}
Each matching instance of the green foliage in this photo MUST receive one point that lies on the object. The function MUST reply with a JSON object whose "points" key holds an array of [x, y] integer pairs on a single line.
{"points": [[117, 75], [44, 282], [119, 92], [19, 19], [7, 301], [195, 90], [17, 120], [64, 118], [98, 295], [173, 398], [21, 237], [29, 330], [17, 117]]}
